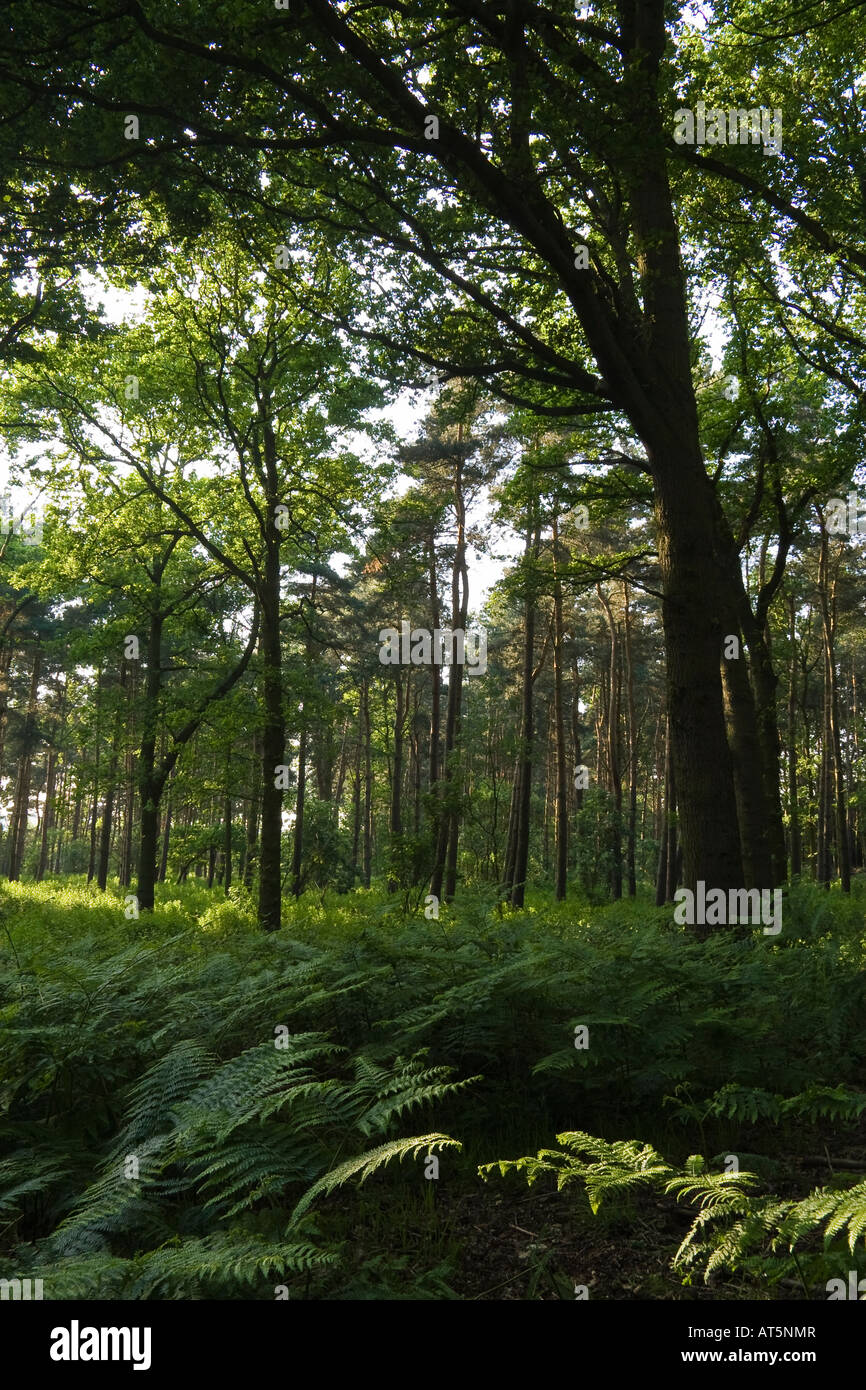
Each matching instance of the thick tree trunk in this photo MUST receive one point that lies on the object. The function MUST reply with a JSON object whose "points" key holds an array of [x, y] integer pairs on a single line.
{"points": [[696, 613]]}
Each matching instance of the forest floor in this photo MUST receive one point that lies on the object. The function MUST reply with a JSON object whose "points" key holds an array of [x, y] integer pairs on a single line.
{"points": [[193, 1109]]}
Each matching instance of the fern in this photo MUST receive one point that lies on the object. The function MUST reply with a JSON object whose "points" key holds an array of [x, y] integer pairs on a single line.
{"points": [[737, 1228], [364, 1165]]}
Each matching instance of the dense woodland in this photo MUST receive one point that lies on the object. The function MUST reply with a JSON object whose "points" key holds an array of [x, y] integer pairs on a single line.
{"points": [[320, 322]]}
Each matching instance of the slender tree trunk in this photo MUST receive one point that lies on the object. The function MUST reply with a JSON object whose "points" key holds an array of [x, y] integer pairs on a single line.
{"points": [[368, 786], [273, 748], [836, 775], [561, 876], [356, 805], [252, 822], [527, 730], [18, 829], [227, 835], [632, 746], [662, 875], [748, 778], [445, 864], [298, 838], [166, 831], [148, 790], [396, 813], [47, 815], [613, 749], [793, 789]]}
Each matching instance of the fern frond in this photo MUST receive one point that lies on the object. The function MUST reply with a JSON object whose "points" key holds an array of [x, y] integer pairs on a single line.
{"points": [[364, 1165]]}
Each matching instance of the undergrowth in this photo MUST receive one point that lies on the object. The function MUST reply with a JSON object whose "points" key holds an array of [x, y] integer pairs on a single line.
{"points": [[188, 1106]]}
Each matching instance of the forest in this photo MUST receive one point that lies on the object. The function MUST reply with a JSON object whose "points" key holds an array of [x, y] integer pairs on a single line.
{"points": [[433, 651]]}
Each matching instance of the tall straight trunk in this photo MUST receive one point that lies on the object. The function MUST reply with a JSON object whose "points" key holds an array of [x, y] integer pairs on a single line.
{"points": [[166, 832], [148, 789], [674, 853], [76, 809], [632, 745], [765, 685], [105, 835], [527, 729], [94, 813], [300, 801], [697, 600], [125, 868], [227, 835], [251, 837], [857, 822], [793, 789], [824, 829], [827, 596], [669, 855], [446, 810], [575, 731], [662, 874], [561, 814], [445, 862], [511, 834], [436, 684], [342, 765], [47, 815], [211, 861], [435, 697], [549, 792], [356, 805], [273, 748], [415, 768], [6, 654], [18, 829], [368, 785], [612, 723], [748, 779], [395, 821]]}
